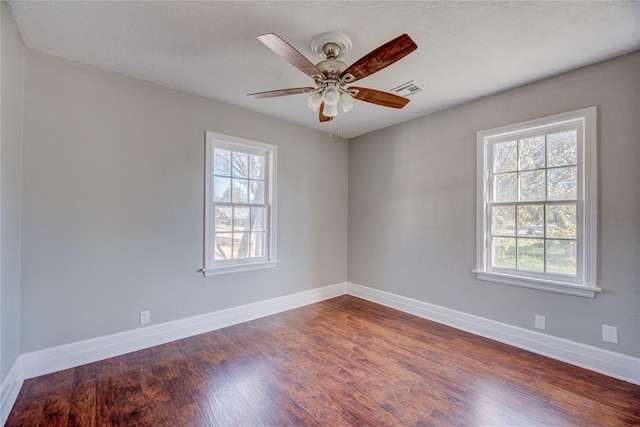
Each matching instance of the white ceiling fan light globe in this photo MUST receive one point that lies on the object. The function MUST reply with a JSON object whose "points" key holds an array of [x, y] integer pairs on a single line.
{"points": [[314, 100], [346, 101], [331, 94], [330, 110]]}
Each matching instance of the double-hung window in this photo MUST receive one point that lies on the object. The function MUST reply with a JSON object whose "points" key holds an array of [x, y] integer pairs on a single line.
{"points": [[536, 204], [240, 210]]}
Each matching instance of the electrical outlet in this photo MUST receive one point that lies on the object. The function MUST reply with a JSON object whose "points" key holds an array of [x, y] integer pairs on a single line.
{"points": [[144, 317], [540, 322], [610, 334]]}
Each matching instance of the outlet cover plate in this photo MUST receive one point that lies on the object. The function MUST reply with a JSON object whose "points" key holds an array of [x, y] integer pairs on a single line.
{"points": [[540, 322], [144, 317], [610, 334]]}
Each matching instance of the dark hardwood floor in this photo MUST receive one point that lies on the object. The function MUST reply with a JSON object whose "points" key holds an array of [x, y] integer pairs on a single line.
{"points": [[341, 362]]}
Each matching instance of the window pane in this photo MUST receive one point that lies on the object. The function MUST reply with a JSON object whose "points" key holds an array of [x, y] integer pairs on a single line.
{"points": [[223, 216], [531, 153], [221, 162], [531, 221], [563, 183], [505, 156], [257, 166], [256, 191], [241, 219], [503, 252], [221, 189], [505, 189], [503, 220], [562, 148], [532, 185], [240, 165], [531, 254], [257, 244], [240, 190], [240, 245], [258, 219], [222, 246], [561, 221], [562, 256]]}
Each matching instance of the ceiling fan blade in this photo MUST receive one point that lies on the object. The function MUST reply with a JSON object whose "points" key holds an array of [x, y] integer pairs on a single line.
{"points": [[281, 92], [380, 58], [289, 53], [378, 97], [324, 118]]}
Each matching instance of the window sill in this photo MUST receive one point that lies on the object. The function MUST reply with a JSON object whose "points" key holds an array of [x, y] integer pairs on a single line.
{"points": [[237, 268], [542, 284]]}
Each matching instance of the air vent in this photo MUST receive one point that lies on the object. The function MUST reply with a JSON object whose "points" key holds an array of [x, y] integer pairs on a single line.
{"points": [[407, 89]]}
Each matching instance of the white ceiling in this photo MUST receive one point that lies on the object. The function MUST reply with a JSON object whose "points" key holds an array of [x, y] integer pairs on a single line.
{"points": [[466, 50]]}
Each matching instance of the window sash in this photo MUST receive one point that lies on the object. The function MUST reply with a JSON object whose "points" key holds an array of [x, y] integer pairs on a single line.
{"points": [[545, 238], [215, 233]]}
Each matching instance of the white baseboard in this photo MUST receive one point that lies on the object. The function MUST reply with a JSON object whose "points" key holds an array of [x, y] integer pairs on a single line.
{"points": [[606, 362], [9, 390], [79, 353]]}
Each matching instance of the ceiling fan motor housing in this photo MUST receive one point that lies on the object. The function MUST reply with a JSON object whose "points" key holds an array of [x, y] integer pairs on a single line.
{"points": [[331, 67]]}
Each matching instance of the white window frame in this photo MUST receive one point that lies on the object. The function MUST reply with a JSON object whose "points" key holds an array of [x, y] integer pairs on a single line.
{"points": [[212, 267], [585, 283]]}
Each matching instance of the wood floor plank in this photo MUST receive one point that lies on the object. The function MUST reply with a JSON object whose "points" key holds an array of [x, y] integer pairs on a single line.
{"points": [[27, 412], [341, 362], [82, 409]]}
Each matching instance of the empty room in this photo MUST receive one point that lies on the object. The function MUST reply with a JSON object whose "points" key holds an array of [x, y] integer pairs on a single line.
{"points": [[320, 213]]}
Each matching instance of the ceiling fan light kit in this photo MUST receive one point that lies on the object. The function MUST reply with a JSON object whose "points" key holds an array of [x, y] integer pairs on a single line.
{"points": [[330, 110], [314, 100], [346, 102], [331, 93], [333, 76]]}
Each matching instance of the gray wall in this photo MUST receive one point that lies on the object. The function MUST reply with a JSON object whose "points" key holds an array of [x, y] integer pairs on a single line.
{"points": [[412, 207], [113, 205], [11, 155]]}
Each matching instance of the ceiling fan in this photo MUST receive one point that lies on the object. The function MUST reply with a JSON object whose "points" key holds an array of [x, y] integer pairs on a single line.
{"points": [[333, 77]]}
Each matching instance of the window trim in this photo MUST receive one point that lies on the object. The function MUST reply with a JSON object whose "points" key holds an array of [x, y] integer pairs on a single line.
{"points": [[213, 140], [586, 284]]}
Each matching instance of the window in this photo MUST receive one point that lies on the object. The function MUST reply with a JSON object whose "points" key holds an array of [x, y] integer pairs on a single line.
{"points": [[536, 206], [240, 211]]}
